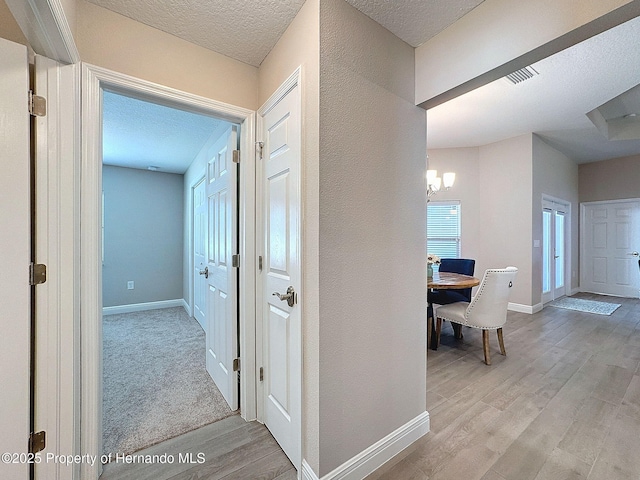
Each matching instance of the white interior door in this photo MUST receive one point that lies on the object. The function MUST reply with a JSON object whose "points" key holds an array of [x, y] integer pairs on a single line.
{"points": [[610, 246], [15, 245], [554, 250], [281, 319], [222, 281], [199, 252]]}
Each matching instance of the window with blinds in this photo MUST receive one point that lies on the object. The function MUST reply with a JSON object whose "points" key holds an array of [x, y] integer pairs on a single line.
{"points": [[443, 229]]}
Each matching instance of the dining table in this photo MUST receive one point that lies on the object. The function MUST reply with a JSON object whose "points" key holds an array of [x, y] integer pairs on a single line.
{"points": [[445, 281]]}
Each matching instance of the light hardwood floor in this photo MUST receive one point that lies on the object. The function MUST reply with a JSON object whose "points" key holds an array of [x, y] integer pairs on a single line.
{"points": [[563, 404], [232, 448]]}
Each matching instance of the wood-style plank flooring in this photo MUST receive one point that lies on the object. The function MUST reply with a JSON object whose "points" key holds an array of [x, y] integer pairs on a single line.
{"points": [[563, 404], [232, 449]]}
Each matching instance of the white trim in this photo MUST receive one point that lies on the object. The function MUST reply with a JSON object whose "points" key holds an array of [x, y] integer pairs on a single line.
{"points": [[58, 303], [306, 472], [187, 307], [574, 291], [141, 307], [530, 309], [45, 26], [94, 80], [372, 458]]}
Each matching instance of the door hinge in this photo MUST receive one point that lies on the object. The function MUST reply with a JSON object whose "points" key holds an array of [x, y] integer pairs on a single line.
{"points": [[260, 263], [236, 156], [260, 147], [236, 364], [261, 374], [37, 105], [37, 273], [235, 260], [37, 441]]}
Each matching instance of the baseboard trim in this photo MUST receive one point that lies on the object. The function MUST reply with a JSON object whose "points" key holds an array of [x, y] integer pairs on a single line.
{"points": [[187, 307], [376, 455], [530, 309], [574, 291], [140, 307]]}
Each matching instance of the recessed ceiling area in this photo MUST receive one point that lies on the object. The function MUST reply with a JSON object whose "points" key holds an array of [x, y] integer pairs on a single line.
{"points": [[555, 103], [141, 134]]}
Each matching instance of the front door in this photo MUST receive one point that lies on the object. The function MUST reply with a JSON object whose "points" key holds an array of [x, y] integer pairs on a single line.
{"points": [[281, 274], [15, 245], [199, 253], [610, 246], [222, 276]]}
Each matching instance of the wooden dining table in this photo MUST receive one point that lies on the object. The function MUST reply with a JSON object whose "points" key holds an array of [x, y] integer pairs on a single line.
{"points": [[445, 281]]}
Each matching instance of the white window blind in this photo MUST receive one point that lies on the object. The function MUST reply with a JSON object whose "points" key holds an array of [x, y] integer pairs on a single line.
{"points": [[443, 229]]}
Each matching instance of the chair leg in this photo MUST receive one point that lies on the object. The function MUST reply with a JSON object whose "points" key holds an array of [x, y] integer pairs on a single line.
{"points": [[501, 342], [438, 330], [457, 330], [429, 328], [485, 347]]}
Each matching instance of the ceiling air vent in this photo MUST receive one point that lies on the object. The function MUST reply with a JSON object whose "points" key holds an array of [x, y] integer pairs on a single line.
{"points": [[521, 75]]}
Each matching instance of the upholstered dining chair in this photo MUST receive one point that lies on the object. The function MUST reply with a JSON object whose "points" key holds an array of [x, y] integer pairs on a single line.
{"points": [[464, 266], [487, 309]]}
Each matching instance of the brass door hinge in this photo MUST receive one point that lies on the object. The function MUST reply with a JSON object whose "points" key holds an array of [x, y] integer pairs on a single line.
{"points": [[37, 105], [37, 273], [236, 156], [37, 442], [236, 364], [235, 260]]}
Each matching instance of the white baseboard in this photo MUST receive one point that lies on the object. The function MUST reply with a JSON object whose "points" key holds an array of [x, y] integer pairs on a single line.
{"points": [[530, 309], [377, 454], [187, 307], [574, 291], [139, 307]]}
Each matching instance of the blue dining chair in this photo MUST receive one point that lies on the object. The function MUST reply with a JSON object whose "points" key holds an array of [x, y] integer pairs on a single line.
{"points": [[464, 266]]}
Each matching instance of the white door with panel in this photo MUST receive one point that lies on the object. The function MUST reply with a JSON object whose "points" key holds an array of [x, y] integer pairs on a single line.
{"points": [[554, 250], [610, 248], [200, 253], [280, 131], [221, 275], [15, 244]]}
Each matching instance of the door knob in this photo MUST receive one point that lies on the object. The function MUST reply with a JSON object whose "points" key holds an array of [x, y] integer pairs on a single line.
{"points": [[635, 254], [290, 296], [205, 272]]}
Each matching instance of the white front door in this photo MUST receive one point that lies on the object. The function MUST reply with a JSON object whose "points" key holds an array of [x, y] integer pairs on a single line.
{"points": [[15, 245], [610, 246], [199, 252], [554, 250], [281, 225], [222, 281]]}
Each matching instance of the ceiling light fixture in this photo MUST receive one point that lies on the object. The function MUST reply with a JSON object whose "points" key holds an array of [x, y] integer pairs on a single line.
{"points": [[434, 182]]}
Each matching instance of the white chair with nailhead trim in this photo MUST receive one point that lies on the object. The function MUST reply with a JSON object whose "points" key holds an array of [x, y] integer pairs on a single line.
{"points": [[487, 309]]}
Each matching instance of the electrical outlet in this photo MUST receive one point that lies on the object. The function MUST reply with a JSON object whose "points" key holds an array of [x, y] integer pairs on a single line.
{"points": [[130, 285]]}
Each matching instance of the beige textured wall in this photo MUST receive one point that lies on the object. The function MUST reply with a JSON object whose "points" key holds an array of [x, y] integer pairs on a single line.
{"points": [[506, 177], [556, 175], [300, 45], [614, 179], [9, 28], [113, 41], [372, 236], [535, 29]]}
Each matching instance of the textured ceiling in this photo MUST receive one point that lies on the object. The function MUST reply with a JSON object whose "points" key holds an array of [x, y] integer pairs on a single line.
{"points": [[415, 21], [139, 134], [553, 104]]}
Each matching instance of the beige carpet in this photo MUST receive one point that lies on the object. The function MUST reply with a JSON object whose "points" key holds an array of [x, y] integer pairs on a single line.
{"points": [[155, 382]]}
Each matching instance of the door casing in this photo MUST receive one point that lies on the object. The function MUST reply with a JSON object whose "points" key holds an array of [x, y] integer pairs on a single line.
{"points": [[94, 81]]}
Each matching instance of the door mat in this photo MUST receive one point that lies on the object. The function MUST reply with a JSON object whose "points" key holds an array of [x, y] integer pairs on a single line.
{"points": [[588, 306]]}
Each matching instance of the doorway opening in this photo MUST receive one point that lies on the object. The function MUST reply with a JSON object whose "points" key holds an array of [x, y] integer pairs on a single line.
{"points": [[98, 83], [155, 384]]}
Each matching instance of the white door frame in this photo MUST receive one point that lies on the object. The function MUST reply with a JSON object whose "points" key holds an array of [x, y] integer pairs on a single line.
{"points": [[583, 211], [192, 265], [567, 242], [94, 81]]}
